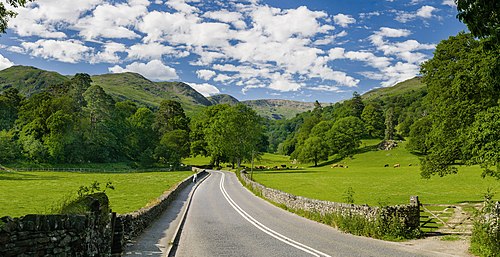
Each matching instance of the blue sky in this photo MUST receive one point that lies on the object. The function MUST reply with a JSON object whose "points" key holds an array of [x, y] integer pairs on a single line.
{"points": [[303, 50]]}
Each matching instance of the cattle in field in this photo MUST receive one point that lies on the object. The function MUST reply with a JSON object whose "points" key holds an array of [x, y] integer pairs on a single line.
{"points": [[336, 165], [397, 165], [387, 165]]}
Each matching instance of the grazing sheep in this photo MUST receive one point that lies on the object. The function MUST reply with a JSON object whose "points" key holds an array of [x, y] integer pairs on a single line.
{"points": [[336, 165], [387, 165], [409, 164], [397, 165], [283, 165]]}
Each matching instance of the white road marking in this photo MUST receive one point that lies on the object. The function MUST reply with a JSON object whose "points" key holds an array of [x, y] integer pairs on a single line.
{"points": [[265, 229]]}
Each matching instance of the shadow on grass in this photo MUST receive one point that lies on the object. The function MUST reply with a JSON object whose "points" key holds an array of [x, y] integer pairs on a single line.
{"points": [[277, 172], [21, 176]]}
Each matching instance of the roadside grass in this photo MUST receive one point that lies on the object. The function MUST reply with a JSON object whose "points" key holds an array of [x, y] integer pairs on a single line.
{"points": [[371, 182], [23, 193]]}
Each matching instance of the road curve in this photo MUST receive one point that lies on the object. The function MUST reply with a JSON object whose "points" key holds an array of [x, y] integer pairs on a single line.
{"points": [[225, 219]]}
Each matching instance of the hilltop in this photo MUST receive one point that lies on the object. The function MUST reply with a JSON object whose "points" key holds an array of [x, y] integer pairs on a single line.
{"points": [[132, 86]]}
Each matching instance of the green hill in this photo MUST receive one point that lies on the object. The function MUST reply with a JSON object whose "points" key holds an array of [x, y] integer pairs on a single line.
{"points": [[222, 99], [408, 86], [135, 87], [28, 80]]}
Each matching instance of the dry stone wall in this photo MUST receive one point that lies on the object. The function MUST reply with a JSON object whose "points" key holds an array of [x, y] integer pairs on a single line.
{"points": [[55, 235], [410, 214]]}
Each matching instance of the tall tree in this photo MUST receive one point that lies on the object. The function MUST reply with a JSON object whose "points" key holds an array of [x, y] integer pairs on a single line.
{"points": [[345, 135], [373, 117], [314, 149], [482, 17], [170, 116], [390, 124], [10, 101], [462, 80]]}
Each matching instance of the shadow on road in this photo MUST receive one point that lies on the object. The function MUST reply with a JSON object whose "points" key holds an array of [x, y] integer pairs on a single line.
{"points": [[155, 240]]}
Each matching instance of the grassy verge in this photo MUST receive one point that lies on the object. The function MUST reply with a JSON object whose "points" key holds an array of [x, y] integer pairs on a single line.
{"points": [[37, 192], [372, 183]]}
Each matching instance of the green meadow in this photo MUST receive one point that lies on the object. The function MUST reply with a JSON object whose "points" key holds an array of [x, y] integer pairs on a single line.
{"points": [[372, 183], [38, 192]]}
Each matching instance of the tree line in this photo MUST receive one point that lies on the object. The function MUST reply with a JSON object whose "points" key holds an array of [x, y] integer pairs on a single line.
{"points": [[78, 122]]}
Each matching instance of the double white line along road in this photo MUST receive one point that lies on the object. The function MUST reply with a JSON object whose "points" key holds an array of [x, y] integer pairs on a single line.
{"points": [[265, 229]]}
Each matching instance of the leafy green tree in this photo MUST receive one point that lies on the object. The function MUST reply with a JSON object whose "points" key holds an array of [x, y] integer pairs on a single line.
{"points": [[10, 101], [5, 14], [356, 104], [170, 116], [419, 131], [482, 17], [390, 124], [314, 149], [100, 143], [142, 137], [373, 117], [345, 135], [9, 149], [463, 81], [173, 146], [483, 142]]}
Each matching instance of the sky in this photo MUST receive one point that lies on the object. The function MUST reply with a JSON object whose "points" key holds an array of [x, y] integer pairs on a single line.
{"points": [[303, 50]]}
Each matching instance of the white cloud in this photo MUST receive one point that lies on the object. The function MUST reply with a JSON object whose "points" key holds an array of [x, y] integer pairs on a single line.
{"points": [[153, 51], [111, 21], [327, 88], [5, 63], [109, 55], [154, 70], [222, 78], [282, 83], [425, 12], [45, 18], [70, 51], [225, 16], [182, 6], [205, 89], [205, 74], [343, 20], [449, 3]]}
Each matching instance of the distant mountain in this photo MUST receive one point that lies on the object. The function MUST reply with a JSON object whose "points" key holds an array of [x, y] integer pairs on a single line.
{"points": [[278, 109], [28, 80], [135, 87], [407, 86], [223, 99]]}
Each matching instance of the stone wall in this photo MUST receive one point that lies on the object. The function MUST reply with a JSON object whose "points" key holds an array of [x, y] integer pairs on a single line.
{"points": [[55, 235], [130, 225], [410, 214]]}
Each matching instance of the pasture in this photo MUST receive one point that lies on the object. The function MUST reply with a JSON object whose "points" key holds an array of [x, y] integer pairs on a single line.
{"points": [[38, 192], [371, 182]]}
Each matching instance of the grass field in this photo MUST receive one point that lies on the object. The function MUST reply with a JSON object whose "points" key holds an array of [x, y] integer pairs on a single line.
{"points": [[373, 183], [36, 192]]}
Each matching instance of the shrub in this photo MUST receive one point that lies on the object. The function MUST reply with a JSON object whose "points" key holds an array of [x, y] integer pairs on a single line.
{"points": [[485, 240]]}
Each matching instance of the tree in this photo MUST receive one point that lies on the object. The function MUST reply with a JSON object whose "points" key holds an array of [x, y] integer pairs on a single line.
{"points": [[9, 149], [483, 142], [356, 104], [142, 138], [345, 136], [170, 116], [390, 125], [10, 101], [419, 131], [314, 149], [482, 17], [173, 146], [6, 14], [462, 80], [373, 117]]}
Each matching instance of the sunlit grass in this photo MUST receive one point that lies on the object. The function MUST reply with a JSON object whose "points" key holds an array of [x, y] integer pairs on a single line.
{"points": [[36, 192]]}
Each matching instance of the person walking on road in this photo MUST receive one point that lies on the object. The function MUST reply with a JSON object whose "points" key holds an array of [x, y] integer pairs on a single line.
{"points": [[194, 177]]}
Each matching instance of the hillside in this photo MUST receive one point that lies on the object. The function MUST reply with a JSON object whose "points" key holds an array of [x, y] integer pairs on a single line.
{"points": [[135, 87], [222, 99], [278, 109], [28, 80], [408, 86]]}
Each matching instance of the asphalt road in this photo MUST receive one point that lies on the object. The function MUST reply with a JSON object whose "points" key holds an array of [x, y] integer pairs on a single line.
{"points": [[225, 219]]}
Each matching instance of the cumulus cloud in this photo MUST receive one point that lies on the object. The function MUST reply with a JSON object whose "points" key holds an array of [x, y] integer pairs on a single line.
{"points": [[205, 89], [154, 70], [153, 51], [449, 3], [5, 63], [70, 51], [343, 20], [205, 74], [425, 12], [109, 55]]}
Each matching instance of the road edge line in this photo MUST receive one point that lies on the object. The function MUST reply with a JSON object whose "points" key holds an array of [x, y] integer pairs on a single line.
{"points": [[174, 242]]}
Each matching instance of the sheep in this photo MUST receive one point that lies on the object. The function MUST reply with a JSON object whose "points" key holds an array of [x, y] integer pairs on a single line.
{"points": [[386, 165], [397, 165]]}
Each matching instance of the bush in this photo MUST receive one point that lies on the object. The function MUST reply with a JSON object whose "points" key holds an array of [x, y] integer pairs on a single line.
{"points": [[485, 240]]}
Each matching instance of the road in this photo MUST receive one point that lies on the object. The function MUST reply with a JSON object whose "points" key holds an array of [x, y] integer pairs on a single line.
{"points": [[225, 219]]}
